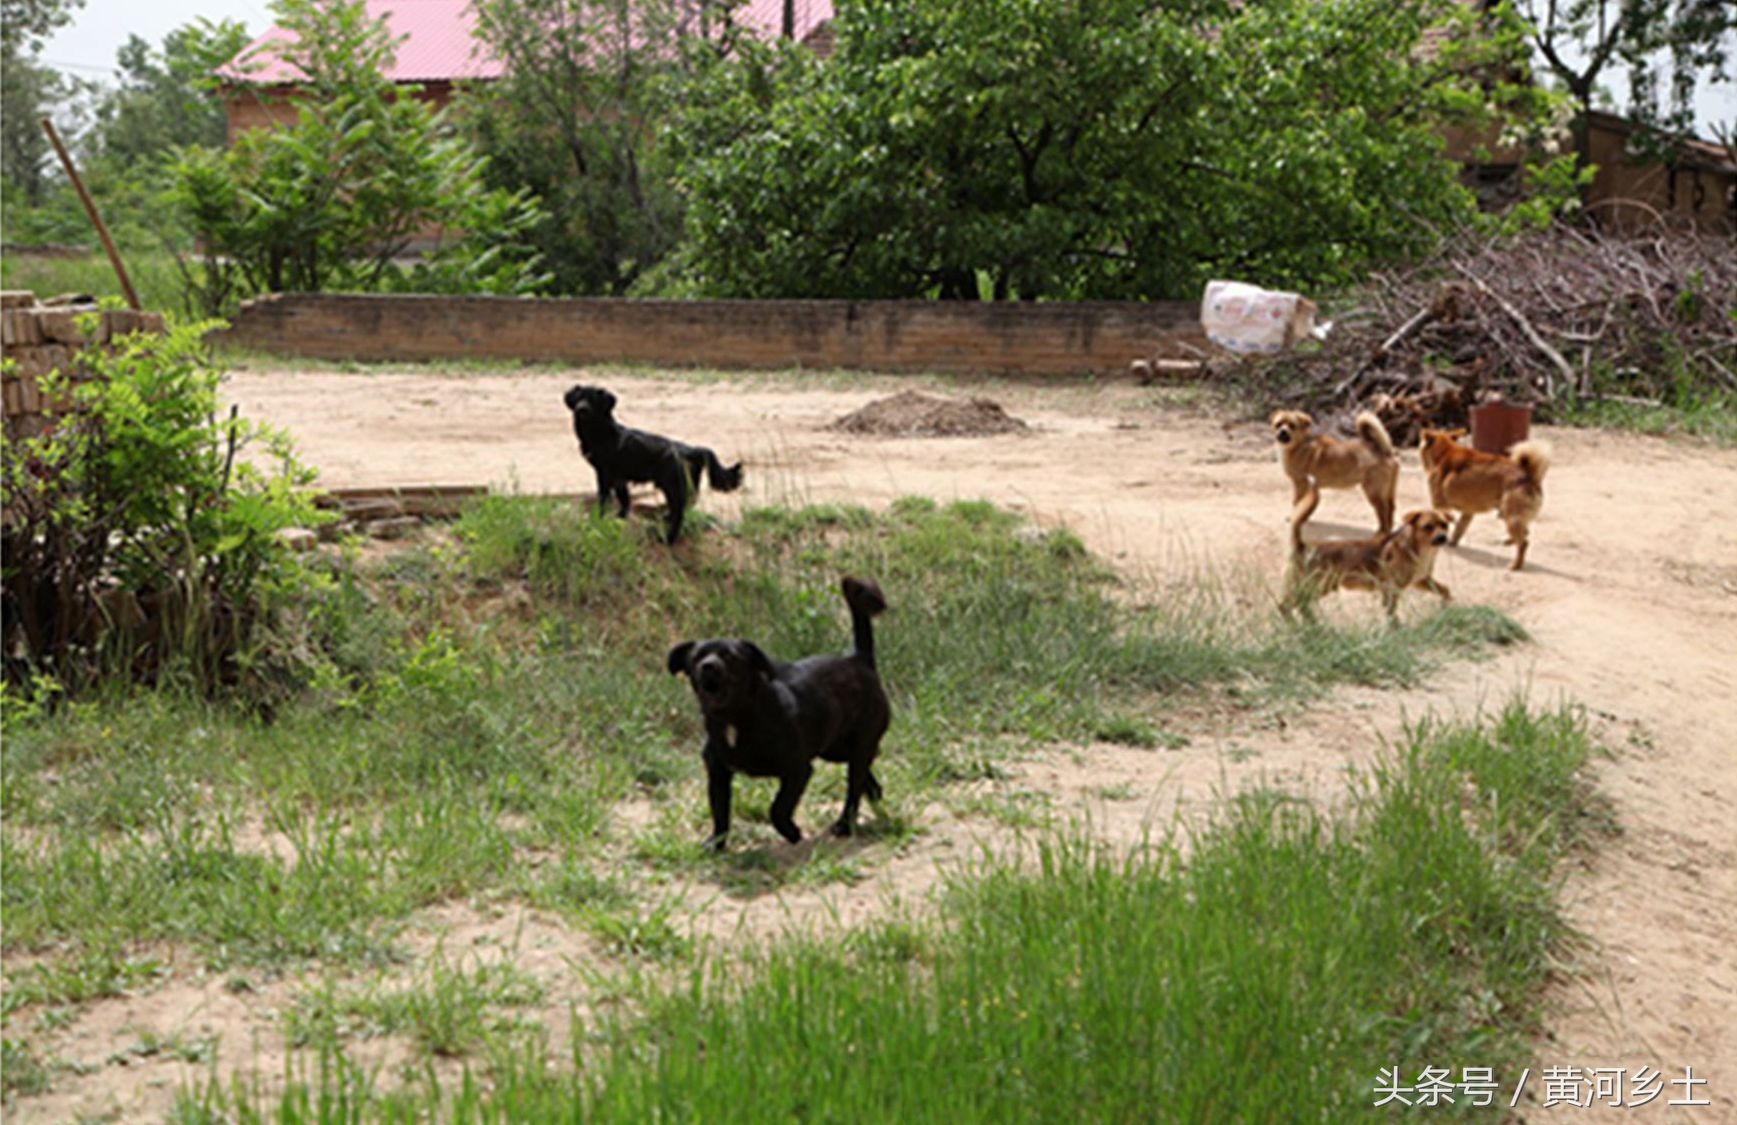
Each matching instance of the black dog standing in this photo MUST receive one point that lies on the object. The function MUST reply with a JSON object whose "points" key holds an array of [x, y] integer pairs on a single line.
{"points": [[768, 719], [623, 456]]}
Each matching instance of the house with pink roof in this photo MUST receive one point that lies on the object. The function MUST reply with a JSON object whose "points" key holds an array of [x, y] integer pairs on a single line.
{"points": [[437, 49]]}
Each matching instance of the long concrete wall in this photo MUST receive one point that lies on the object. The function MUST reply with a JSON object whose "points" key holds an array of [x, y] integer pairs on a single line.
{"points": [[1098, 338]]}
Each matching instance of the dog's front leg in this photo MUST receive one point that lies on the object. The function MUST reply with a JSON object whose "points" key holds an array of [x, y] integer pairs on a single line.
{"points": [[790, 789], [1434, 587], [672, 481], [604, 488], [718, 789]]}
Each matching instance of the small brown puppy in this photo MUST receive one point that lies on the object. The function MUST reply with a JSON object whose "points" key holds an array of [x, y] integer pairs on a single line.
{"points": [[1469, 481], [1388, 563], [1333, 462]]}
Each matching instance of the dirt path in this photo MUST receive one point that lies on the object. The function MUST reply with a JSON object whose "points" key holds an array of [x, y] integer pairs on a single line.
{"points": [[1630, 595]]}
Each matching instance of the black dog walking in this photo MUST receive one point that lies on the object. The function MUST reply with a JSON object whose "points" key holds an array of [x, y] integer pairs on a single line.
{"points": [[768, 719], [622, 456]]}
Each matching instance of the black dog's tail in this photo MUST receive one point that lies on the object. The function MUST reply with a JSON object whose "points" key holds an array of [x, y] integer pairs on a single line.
{"points": [[866, 601], [723, 479]]}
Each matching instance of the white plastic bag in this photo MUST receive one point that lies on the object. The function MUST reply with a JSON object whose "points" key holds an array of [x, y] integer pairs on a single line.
{"points": [[1246, 318]]}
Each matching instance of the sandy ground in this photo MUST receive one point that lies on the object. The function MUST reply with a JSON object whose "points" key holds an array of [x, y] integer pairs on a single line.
{"points": [[1630, 595]]}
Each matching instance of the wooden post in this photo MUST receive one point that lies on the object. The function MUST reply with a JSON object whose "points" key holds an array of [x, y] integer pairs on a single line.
{"points": [[95, 219]]}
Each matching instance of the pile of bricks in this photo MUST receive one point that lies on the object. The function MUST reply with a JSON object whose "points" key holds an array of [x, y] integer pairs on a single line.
{"points": [[44, 338]]}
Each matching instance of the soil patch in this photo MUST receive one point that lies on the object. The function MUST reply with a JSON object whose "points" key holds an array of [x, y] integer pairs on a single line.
{"points": [[915, 414]]}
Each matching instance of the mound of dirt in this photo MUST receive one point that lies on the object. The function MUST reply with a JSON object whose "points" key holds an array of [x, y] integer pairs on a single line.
{"points": [[914, 414]]}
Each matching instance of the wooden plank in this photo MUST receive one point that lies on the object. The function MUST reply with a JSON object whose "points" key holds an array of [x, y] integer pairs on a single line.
{"points": [[402, 490], [425, 500]]}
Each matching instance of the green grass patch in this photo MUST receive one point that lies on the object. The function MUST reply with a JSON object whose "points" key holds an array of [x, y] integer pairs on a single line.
{"points": [[1708, 415], [22, 1074], [1266, 967], [493, 695], [447, 1010], [154, 275]]}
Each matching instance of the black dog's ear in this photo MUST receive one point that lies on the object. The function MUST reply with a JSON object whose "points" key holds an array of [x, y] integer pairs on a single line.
{"points": [[608, 398], [762, 662], [571, 398], [678, 658]]}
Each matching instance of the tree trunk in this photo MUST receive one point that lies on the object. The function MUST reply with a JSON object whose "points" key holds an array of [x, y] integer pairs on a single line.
{"points": [[1580, 130]]}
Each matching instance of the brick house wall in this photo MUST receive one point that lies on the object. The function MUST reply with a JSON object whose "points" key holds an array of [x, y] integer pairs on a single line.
{"points": [[261, 107]]}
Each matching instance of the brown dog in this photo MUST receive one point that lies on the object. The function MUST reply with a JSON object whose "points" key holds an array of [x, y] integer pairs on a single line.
{"points": [[1469, 481], [1388, 562], [1333, 462]]}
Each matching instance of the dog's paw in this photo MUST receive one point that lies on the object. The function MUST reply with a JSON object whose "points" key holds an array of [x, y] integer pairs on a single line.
{"points": [[717, 843], [843, 828], [790, 832]]}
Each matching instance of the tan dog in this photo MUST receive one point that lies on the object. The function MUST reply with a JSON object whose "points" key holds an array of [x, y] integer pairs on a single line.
{"points": [[1333, 462], [1389, 563], [1469, 481]]}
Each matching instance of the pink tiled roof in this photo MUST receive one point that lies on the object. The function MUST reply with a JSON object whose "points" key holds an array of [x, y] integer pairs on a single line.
{"points": [[767, 16], [439, 46]]}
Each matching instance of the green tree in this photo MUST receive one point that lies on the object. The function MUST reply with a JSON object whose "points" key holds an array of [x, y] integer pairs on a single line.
{"points": [[335, 197], [572, 120], [167, 97], [29, 90], [26, 24], [1682, 42], [1058, 149]]}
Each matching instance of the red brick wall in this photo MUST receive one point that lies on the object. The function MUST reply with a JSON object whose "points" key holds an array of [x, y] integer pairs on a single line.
{"points": [[257, 107], [1046, 339]]}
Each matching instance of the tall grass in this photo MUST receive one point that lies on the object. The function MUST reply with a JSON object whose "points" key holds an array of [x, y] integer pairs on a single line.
{"points": [[478, 698], [1265, 968], [441, 701], [997, 629], [1264, 972], [1709, 415], [155, 278]]}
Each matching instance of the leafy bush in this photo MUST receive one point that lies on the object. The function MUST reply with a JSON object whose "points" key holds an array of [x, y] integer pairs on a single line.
{"points": [[573, 120], [331, 199], [135, 530]]}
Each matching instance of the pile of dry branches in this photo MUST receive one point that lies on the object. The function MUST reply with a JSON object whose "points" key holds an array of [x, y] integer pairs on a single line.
{"points": [[1553, 318]]}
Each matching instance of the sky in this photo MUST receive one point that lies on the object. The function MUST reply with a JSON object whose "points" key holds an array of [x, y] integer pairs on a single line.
{"points": [[87, 46]]}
